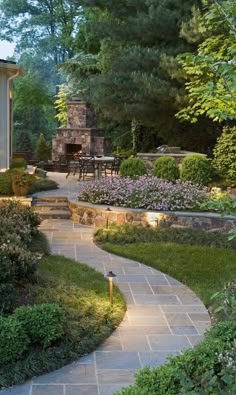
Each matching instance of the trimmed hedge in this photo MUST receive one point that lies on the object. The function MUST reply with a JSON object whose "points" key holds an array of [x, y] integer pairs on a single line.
{"points": [[133, 167], [196, 168], [42, 323], [13, 340], [166, 168], [125, 234]]}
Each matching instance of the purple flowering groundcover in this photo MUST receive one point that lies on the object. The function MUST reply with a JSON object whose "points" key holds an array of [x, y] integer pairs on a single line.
{"points": [[146, 192]]}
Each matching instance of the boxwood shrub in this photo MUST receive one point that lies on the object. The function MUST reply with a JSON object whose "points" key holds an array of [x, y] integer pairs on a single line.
{"points": [[196, 168], [42, 323], [13, 340], [133, 167], [166, 168]]}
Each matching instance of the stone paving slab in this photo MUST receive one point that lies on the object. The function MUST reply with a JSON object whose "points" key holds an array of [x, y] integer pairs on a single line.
{"points": [[163, 317]]}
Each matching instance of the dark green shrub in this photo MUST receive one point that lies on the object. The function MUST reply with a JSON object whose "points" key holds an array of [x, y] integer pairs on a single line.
{"points": [[6, 266], [125, 234], [225, 153], [18, 163], [21, 215], [13, 340], [133, 167], [23, 262], [7, 297], [43, 151], [166, 168], [224, 302], [6, 184], [43, 185], [196, 168], [43, 323]]}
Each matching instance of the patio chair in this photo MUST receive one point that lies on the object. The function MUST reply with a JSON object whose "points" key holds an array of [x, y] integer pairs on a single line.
{"points": [[112, 167]]}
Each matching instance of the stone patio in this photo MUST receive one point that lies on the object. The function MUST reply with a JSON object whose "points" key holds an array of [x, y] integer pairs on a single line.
{"points": [[163, 317]]}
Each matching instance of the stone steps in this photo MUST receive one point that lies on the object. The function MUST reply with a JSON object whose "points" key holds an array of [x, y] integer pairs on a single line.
{"points": [[52, 208]]}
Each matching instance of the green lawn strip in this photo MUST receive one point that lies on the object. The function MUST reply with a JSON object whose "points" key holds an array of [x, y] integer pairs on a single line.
{"points": [[205, 270], [83, 295]]}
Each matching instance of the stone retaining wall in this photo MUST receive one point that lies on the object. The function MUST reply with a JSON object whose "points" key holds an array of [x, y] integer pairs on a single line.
{"points": [[97, 215]]}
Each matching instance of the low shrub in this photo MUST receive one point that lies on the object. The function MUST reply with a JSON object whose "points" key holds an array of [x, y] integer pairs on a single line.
{"points": [[209, 368], [21, 215], [42, 323], [23, 263], [225, 153], [7, 297], [224, 302], [42, 185], [6, 184], [133, 167], [13, 340], [18, 163], [125, 234], [146, 192], [166, 168], [196, 168]]}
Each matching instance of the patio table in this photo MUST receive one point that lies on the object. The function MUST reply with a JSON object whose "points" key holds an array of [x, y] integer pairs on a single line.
{"points": [[98, 160]]}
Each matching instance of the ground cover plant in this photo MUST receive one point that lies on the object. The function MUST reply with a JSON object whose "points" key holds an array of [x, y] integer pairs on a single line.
{"points": [[52, 309], [145, 192]]}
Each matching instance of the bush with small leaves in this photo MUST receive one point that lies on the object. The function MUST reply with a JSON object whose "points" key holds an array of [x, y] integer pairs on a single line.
{"points": [[18, 163], [7, 297], [43, 323], [13, 340], [196, 168], [225, 153], [166, 168], [133, 167], [23, 263], [6, 183], [224, 303], [20, 214]]}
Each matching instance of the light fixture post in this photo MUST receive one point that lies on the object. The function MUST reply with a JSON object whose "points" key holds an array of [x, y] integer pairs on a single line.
{"points": [[107, 218], [111, 275]]}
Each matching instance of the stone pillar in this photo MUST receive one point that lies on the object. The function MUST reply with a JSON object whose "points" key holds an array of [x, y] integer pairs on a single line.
{"points": [[80, 115]]}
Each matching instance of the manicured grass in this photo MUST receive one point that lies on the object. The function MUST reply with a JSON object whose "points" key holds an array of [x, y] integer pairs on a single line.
{"points": [[205, 270], [83, 295]]}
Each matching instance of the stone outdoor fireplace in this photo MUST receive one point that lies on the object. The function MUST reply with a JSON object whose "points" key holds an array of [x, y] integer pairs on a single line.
{"points": [[81, 133]]}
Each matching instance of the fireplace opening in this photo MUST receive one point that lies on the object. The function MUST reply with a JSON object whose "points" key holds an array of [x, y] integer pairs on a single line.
{"points": [[72, 149]]}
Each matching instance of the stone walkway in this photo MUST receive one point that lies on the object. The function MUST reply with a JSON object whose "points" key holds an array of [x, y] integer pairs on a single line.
{"points": [[163, 317]]}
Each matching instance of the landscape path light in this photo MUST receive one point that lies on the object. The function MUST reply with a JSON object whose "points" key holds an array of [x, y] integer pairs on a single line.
{"points": [[111, 275], [107, 210]]}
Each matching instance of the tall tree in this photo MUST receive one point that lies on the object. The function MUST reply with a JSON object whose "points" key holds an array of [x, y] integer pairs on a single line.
{"points": [[45, 26], [130, 79]]}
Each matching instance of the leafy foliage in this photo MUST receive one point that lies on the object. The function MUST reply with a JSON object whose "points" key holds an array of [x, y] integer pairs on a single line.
{"points": [[6, 184], [42, 323], [133, 167], [224, 302], [166, 168], [13, 340], [211, 72], [18, 163], [196, 168], [225, 153], [43, 151]]}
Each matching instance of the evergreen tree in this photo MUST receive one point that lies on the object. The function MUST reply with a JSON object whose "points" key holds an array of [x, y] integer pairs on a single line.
{"points": [[138, 41], [43, 151]]}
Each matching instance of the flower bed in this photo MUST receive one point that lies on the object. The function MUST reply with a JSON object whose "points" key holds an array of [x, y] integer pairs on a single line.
{"points": [[147, 192]]}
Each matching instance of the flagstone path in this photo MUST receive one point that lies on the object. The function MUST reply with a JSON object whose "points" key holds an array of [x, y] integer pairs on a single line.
{"points": [[163, 317]]}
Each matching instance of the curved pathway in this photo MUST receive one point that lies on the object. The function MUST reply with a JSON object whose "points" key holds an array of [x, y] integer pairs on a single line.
{"points": [[163, 317]]}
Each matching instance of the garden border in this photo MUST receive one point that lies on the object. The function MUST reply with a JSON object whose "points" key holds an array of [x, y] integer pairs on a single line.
{"points": [[98, 215]]}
